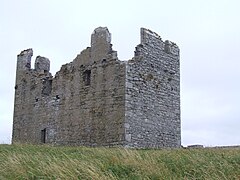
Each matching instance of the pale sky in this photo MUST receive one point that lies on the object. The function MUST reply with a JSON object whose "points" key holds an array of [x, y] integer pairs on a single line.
{"points": [[206, 31]]}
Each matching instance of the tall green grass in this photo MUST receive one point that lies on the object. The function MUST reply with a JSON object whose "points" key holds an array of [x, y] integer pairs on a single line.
{"points": [[46, 162]]}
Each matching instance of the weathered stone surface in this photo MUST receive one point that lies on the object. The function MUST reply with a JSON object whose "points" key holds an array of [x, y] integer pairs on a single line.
{"points": [[24, 60], [42, 64], [98, 100], [152, 103]]}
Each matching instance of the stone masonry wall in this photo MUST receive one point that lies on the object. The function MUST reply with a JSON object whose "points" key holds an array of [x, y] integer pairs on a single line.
{"points": [[98, 100], [82, 105], [32, 93], [152, 107]]}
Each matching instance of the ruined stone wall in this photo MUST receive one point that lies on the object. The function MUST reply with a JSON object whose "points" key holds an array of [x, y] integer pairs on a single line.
{"points": [[152, 106], [91, 100], [82, 105], [32, 94], [98, 100]]}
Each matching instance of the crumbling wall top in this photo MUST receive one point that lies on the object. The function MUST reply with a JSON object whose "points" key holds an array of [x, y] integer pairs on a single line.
{"points": [[152, 39], [24, 59], [100, 35], [42, 63], [100, 44], [26, 52], [146, 34]]}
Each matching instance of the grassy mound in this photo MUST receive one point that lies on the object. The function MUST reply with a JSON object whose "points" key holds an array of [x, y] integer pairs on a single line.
{"points": [[46, 162]]}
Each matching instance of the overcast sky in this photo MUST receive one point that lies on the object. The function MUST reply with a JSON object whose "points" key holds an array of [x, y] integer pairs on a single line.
{"points": [[206, 31]]}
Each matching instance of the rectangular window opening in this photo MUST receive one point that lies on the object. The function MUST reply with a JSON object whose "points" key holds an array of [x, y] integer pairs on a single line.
{"points": [[87, 77], [43, 135]]}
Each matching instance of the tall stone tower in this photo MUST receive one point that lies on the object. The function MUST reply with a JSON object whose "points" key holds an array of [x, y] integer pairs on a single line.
{"points": [[98, 100]]}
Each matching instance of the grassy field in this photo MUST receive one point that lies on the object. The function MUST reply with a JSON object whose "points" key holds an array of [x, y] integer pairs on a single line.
{"points": [[46, 162]]}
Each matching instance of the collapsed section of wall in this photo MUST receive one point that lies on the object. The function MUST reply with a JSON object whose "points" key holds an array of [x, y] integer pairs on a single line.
{"points": [[152, 107]]}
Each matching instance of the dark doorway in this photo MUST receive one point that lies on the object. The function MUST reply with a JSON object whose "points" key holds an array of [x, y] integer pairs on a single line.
{"points": [[43, 135]]}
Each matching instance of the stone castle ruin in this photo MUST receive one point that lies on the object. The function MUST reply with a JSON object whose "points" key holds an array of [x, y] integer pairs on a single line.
{"points": [[98, 100]]}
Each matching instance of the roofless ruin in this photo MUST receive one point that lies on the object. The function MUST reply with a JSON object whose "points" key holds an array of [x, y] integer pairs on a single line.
{"points": [[98, 100]]}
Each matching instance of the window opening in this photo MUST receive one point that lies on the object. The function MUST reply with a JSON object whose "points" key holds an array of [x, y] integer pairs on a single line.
{"points": [[87, 77], [43, 135]]}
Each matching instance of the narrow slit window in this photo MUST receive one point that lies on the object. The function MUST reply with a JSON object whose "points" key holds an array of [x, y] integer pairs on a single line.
{"points": [[43, 135]]}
